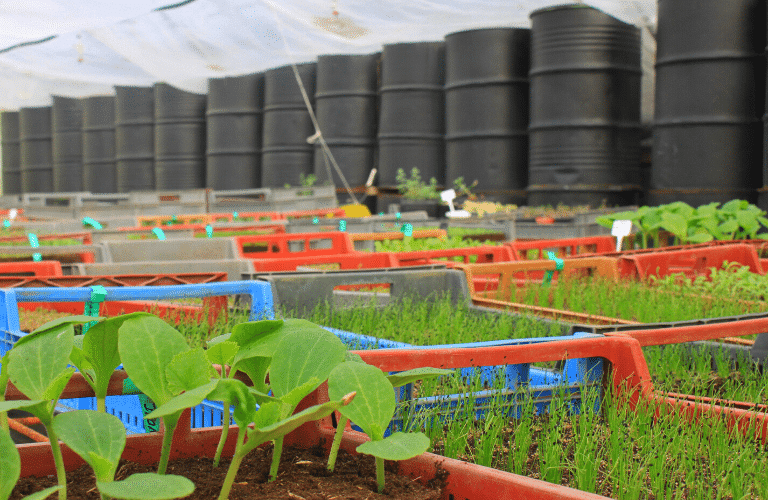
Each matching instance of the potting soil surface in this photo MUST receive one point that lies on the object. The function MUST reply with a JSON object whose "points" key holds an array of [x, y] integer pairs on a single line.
{"points": [[302, 475]]}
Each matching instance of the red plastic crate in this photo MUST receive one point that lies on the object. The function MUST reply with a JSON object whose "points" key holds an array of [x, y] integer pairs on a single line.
{"points": [[211, 309], [567, 247], [691, 261], [42, 268], [485, 280], [317, 212], [280, 246], [453, 256], [84, 237]]}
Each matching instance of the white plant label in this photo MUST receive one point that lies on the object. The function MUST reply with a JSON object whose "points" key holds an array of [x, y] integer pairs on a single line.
{"points": [[620, 229]]}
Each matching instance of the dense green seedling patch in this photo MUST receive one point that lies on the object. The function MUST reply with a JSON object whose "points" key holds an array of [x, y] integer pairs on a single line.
{"points": [[410, 244], [693, 370], [668, 300], [436, 322], [615, 451]]}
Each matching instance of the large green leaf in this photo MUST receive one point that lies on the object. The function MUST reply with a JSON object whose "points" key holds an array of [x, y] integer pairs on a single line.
{"points": [[748, 220], [36, 363], [258, 339], [183, 401], [147, 345], [41, 495], [734, 205], [243, 333], [237, 394], [57, 385], [729, 226], [28, 405], [222, 353], [271, 432], [188, 370], [305, 352], [268, 414], [100, 349], [99, 439], [3, 375], [374, 403], [256, 369], [292, 399], [56, 324], [411, 376], [10, 465], [147, 486], [215, 340], [675, 224], [77, 358], [397, 446]]}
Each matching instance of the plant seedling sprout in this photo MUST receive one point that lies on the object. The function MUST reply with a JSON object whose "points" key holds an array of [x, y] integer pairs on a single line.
{"points": [[99, 439]]}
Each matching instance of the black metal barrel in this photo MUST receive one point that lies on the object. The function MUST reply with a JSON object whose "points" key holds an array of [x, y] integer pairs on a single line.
{"points": [[67, 116], [179, 138], [135, 138], [486, 110], [234, 120], [9, 125], [36, 151], [99, 173], [585, 108], [346, 98], [709, 91], [412, 109], [286, 155]]}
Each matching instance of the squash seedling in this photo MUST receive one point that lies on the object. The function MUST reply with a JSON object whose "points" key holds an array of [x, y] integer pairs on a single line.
{"points": [[161, 365], [99, 439], [303, 359], [247, 349], [37, 366], [96, 355], [373, 409], [303, 355], [10, 470]]}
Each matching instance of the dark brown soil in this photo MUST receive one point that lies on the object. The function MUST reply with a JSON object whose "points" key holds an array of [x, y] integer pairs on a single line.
{"points": [[302, 475]]}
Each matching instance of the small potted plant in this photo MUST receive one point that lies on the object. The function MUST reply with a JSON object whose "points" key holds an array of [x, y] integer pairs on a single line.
{"points": [[419, 195]]}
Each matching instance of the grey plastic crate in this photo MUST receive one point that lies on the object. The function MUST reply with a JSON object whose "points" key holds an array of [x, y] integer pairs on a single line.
{"points": [[272, 199], [233, 267], [170, 202], [100, 253], [115, 235], [75, 225], [76, 205], [758, 351], [305, 291], [11, 201], [193, 249]]}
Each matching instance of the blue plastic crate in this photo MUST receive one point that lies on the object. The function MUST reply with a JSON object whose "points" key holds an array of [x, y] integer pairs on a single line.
{"points": [[128, 408], [540, 382]]}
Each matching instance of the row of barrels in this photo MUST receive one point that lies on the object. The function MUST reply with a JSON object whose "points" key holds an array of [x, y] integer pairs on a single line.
{"points": [[454, 108], [546, 115]]}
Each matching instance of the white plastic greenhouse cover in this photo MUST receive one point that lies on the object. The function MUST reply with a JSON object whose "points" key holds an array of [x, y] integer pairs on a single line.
{"points": [[85, 47]]}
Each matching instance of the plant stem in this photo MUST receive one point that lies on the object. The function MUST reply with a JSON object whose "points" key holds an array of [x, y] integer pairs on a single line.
{"points": [[277, 451], [380, 473], [342, 424], [101, 405], [61, 473], [224, 433], [167, 439], [234, 465]]}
